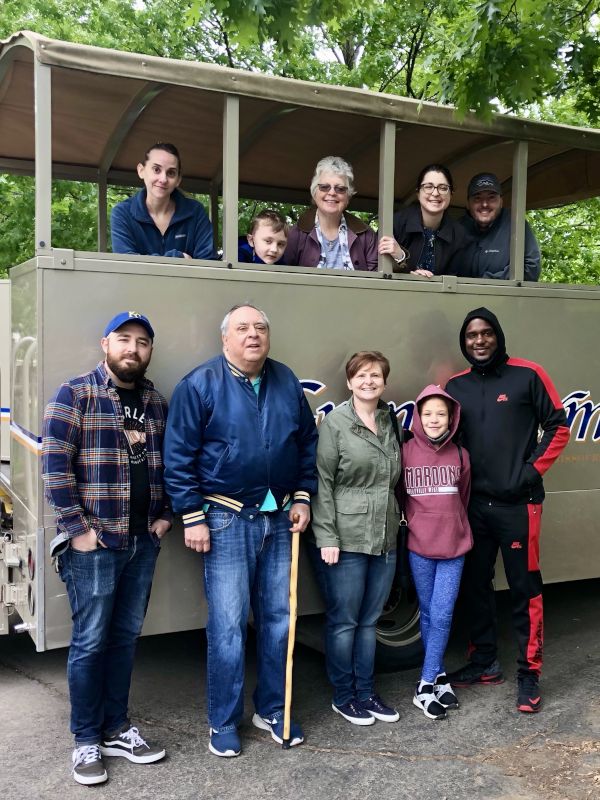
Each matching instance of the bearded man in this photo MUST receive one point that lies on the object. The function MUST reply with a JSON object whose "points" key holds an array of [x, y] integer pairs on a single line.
{"points": [[103, 475]]}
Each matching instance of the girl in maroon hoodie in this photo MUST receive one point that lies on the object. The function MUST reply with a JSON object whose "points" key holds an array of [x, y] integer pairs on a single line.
{"points": [[436, 485]]}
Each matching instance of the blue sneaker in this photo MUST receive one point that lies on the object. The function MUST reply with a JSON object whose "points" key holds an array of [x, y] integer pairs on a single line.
{"points": [[275, 725], [225, 744], [354, 713], [378, 709]]}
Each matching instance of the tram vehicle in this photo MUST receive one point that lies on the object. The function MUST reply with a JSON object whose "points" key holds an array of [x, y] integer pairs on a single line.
{"points": [[76, 112]]}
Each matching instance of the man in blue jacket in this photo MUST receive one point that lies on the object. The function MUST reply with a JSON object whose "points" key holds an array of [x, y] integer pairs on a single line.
{"points": [[488, 225], [240, 455]]}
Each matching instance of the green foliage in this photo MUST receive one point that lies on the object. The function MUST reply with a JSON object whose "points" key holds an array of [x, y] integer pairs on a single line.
{"points": [[569, 238]]}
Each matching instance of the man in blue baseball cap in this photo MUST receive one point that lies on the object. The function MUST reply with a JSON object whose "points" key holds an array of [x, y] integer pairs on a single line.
{"points": [[102, 468], [488, 224]]}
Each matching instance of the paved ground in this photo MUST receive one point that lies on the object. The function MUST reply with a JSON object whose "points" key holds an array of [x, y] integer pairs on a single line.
{"points": [[484, 751]]}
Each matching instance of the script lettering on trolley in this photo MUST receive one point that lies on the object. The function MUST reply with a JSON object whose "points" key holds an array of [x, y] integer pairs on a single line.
{"points": [[583, 415], [404, 411]]}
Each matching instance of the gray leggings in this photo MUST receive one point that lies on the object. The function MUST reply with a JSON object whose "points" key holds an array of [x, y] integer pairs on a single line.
{"points": [[437, 582]]}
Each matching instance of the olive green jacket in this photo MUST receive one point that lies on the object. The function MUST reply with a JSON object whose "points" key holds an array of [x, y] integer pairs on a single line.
{"points": [[355, 508]]}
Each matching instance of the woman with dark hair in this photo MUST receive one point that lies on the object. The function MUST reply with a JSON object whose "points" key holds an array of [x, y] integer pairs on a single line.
{"points": [[355, 520], [160, 220], [434, 241]]}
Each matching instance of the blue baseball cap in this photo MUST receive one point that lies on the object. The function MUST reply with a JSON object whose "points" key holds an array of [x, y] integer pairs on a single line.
{"points": [[128, 316]]}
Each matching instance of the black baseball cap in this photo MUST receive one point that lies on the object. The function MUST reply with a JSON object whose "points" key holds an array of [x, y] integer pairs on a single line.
{"points": [[484, 182]]}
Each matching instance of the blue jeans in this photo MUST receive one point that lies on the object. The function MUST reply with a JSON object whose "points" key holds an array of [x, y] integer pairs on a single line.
{"points": [[248, 565], [109, 592], [356, 589], [437, 582]]}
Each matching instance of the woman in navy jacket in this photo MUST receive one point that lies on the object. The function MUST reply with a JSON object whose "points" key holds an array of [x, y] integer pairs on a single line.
{"points": [[160, 220]]}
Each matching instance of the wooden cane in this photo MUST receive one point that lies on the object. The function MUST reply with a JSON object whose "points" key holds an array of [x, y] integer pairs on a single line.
{"points": [[289, 666]]}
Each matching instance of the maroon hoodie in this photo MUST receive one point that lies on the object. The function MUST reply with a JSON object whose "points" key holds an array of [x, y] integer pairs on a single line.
{"points": [[436, 488]]}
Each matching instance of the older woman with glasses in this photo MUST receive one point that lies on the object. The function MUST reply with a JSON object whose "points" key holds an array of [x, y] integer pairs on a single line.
{"points": [[325, 236], [434, 241]]}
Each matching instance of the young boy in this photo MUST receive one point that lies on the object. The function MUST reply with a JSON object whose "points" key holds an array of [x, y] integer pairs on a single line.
{"points": [[266, 240]]}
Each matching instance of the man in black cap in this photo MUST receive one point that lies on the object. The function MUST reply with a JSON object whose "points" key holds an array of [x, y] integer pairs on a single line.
{"points": [[488, 225], [504, 403], [103, 474]]}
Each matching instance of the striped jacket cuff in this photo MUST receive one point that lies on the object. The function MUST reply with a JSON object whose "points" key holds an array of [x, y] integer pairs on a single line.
{"points": [[193, 518], [302, 497]]}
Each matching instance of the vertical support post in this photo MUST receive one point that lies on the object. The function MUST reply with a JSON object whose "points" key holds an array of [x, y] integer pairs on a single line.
{"points": [[43, 155], [231, 149], [213, 210], [102, 210], [518, 207], [387, 164]]}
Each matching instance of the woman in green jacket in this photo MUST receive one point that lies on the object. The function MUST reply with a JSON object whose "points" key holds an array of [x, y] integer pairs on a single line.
{"points": [[355, 522]]}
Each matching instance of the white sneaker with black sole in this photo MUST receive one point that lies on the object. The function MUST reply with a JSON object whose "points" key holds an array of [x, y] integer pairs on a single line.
{"points": [[129, 744], [425, 699], [88, 768]]}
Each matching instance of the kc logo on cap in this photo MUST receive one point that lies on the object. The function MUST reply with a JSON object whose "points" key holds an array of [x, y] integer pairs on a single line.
{"points": [[128, 316]]}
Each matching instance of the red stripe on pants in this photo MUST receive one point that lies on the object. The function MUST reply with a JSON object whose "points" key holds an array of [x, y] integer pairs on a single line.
{"points": [[536, 607]]}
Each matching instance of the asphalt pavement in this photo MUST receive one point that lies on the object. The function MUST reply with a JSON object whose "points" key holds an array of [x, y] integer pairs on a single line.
{"points": [[486, 750]]}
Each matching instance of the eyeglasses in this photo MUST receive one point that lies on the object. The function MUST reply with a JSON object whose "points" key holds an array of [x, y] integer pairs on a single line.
{"points": [[430, 188], [327, 187]]}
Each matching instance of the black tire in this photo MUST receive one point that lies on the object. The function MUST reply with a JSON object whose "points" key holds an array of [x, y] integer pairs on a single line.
{"points": [[399, 643]]}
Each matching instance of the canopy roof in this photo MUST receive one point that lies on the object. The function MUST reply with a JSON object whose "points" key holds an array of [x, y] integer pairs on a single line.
{"points": [[108, 107]]}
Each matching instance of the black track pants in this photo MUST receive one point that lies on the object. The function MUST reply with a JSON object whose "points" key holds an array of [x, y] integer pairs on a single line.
{"points": [[516, 531]]}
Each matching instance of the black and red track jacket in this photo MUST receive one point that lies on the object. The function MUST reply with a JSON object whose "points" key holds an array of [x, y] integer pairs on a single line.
{"points": [[503, 408]]}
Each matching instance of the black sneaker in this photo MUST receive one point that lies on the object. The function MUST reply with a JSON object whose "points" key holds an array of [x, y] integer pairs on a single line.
{"points": [[424, 698], [129, 744], [472, 674], [354, 713], [443, 692], [378, 709], [88, 768], [529, 699]]}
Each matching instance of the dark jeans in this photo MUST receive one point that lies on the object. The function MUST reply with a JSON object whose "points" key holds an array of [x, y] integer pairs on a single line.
{"points": [[248, 565], [109, 592], [356, 589], [515, 530]]}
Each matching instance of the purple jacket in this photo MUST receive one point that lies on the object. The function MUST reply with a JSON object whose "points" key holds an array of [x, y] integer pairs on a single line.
{"points": [[303, 248], [436, 487]]}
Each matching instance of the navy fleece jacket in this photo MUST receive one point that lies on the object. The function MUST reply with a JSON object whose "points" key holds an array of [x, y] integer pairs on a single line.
{"points": [[133, 229]]}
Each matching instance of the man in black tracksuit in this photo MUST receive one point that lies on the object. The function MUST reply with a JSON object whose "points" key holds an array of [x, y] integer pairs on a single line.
{"points": [[504, 402]]}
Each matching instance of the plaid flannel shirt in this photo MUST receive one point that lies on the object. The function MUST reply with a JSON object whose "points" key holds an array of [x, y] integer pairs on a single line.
{"points": [[85, 463]]}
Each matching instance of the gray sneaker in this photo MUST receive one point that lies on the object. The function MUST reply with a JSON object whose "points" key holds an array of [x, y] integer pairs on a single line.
{"points": [[88, 768], [129, 744]]}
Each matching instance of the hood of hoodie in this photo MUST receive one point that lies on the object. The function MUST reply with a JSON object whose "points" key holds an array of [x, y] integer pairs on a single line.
{"points": [[435, 391], [500, 355]]}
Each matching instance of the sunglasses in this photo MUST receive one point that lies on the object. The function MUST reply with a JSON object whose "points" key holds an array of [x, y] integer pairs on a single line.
{"points": [[327, 187]]}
